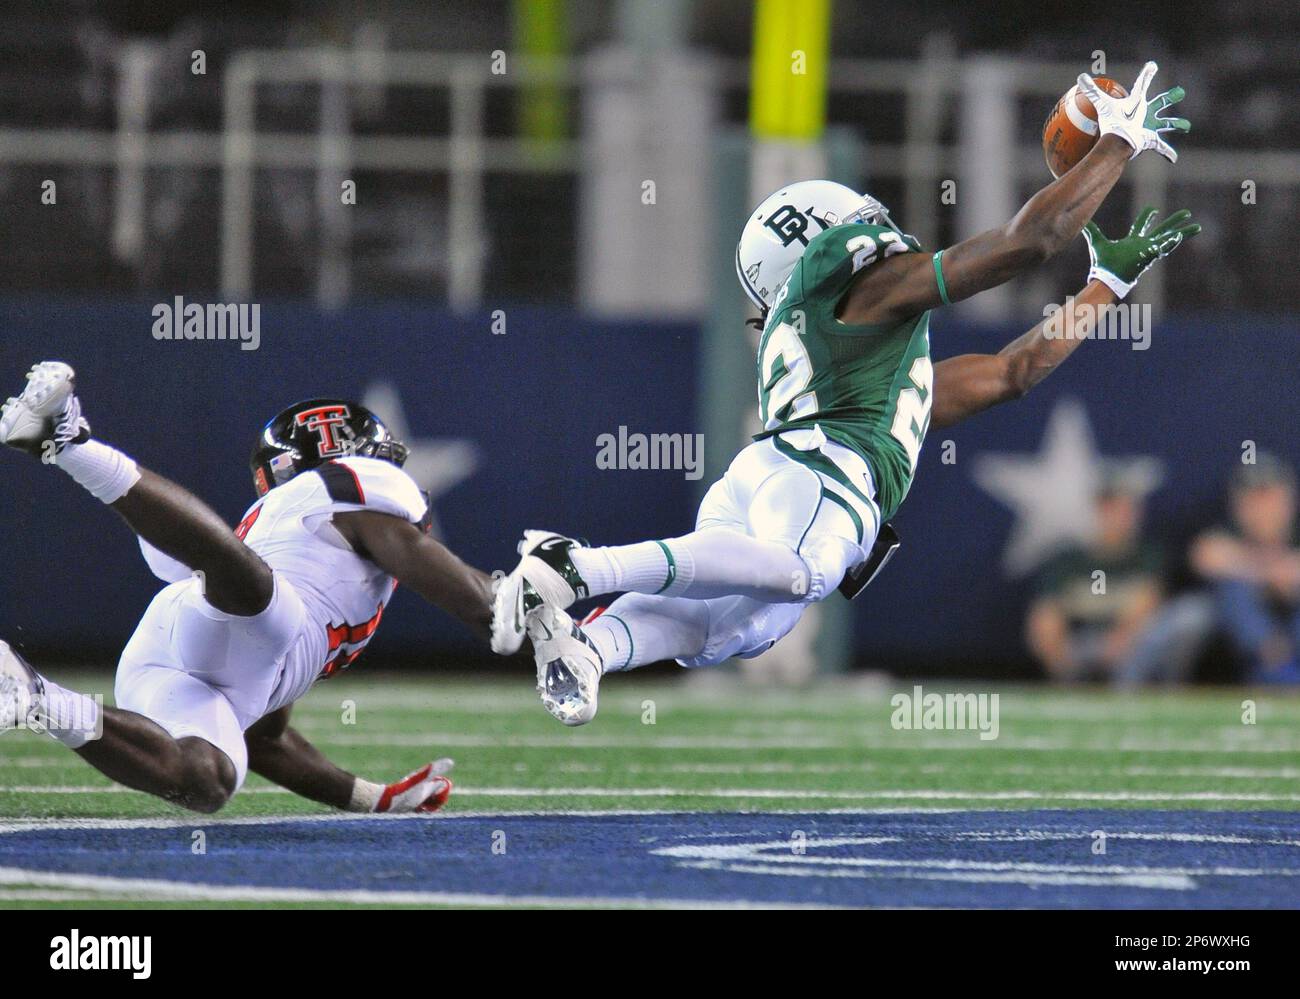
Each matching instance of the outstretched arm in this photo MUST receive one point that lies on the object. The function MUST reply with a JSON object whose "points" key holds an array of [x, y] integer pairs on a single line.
{"points": [[418, 561], [967, 384], [908, 284], [281, 754]]}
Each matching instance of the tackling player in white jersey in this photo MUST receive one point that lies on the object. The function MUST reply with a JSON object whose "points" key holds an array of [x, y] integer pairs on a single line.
{"points": [[847, 392], [249, 620]]}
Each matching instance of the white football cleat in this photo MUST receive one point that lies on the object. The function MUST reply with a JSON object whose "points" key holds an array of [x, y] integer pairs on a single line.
{"points": [[47, 414], [22, 692], [545, 574], [568, 666]]}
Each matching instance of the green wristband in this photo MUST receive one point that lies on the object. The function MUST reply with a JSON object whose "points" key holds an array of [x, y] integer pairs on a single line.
{"points": [[938, 276]]}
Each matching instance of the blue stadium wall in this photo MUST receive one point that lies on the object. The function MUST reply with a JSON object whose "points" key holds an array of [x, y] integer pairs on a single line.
{"points": [[533, 402]]}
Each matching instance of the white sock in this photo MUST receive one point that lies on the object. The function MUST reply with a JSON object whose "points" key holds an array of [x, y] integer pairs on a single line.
{"points": [[365, 796], [70, 717], [638, 629], [647, 567], [105, 472], [701, 565]]}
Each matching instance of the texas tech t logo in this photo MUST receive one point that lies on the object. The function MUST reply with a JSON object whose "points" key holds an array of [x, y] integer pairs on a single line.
{"points": [[790, 224], [330, 424]]}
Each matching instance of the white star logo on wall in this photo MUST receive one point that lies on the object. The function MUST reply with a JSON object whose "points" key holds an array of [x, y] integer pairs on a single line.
{"points": [[436, 464], [1052, 493]]}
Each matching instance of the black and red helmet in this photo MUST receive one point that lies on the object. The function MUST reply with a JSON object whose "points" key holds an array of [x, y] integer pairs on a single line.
{"points": [[314, 431]]}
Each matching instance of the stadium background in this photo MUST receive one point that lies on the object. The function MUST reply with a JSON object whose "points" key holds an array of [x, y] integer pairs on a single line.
{"points": [[508, 281]]}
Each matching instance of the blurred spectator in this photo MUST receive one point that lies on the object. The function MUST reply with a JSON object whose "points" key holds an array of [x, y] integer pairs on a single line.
{"points": [[1254, 565], [1100, 613]]}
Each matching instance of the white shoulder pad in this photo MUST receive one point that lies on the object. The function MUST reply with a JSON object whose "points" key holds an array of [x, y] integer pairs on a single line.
{"points": [[373, 484], [163, 565]]}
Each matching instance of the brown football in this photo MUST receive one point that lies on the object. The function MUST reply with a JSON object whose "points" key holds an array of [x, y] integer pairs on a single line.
{"points": [[1071, 129]]}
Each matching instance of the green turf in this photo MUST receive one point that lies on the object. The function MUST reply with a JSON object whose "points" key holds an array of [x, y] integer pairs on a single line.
{"points": [[723, 746]]}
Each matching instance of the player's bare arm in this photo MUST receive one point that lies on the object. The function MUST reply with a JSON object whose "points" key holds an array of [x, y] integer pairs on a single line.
{"points": [[970, 383], [905, 285], [177, 523], [421, 563], [283, 755], [908, 284]]}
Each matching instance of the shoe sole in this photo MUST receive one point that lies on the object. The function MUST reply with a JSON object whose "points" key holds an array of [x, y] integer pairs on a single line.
{"points": [[568, 720], [65, 386], [507, 603], [507, 638], [15, 685]]}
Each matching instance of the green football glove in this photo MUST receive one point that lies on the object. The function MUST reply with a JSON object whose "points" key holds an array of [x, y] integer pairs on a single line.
{"points": [[1118, 263], [1135, 119]]}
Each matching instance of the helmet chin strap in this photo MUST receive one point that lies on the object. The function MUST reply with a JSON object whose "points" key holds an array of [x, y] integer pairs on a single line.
{"points": [[890, 222]]}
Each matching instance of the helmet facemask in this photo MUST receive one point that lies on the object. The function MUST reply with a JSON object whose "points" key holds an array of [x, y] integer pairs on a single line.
{"points": [[872, 212]]}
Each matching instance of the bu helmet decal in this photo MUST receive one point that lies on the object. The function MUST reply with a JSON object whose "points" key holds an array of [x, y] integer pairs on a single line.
{"points": [[780, 229]]}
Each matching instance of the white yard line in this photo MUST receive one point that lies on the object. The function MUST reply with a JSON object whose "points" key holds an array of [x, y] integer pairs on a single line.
{"points": [[39, 762], [963, 767], [40, 895], [779, 794], [1229, 740], [8, 826], [963, 742], [801, 794], [160, 890]]}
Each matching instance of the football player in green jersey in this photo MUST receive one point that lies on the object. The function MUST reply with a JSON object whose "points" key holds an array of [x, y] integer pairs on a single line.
{"points": [[847, 392]]}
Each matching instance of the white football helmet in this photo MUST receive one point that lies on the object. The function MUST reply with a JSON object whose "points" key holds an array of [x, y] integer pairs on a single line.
{"points": [[777, 233]]}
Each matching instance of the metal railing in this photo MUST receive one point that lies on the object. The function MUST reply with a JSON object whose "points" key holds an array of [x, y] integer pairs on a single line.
{"points": [[466, 154]]}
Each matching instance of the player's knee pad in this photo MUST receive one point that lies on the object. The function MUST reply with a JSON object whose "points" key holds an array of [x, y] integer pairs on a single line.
{"points": [[828, 557]]}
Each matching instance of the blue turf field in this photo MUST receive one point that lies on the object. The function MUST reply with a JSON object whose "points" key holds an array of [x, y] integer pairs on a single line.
{"points": [[709, 794], [994, 859]]}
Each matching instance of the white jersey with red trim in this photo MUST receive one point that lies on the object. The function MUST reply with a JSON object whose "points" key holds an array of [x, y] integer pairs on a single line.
{"points": [[344, 594]]}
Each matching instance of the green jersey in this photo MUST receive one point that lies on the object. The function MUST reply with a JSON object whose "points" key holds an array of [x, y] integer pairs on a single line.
{"points": [[868, 386]]}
